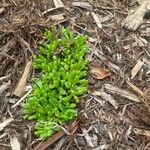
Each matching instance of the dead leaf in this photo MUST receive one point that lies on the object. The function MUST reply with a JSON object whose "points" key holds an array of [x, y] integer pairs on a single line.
{"points": [[136, 68], [21, 87], [100, 73]]}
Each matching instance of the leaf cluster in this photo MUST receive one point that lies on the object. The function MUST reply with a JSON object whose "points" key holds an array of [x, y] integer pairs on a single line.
{"points": [[56, 93]]}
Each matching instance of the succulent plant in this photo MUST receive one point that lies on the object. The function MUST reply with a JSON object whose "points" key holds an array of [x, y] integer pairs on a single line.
{"points": [[56, 93]]}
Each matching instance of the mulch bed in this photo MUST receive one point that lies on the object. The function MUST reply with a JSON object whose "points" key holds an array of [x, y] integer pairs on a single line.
{"points": [[115, 113]]}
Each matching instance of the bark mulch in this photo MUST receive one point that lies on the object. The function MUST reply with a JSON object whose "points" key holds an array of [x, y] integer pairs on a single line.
{"points": [[115, 113]]}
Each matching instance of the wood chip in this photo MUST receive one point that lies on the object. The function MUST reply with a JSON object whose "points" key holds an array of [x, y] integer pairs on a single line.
{"points": [[146, 62], [5, 123], [59, 145], [108, 98], [141, 132], [101, 147], [126, 47], [2, 10], [139, 41], [92, 40], [84, 5], [121, 92], [57, 17], [58, 3], [3, 135], [21, 99], [129, 131], [97, 20], [100, 73], [87, 137], [3, 87], [106, 18], [51, 10], [136, 68], [136, 89], [15, 144], [4, 77], [21, 86], [113, 67]]}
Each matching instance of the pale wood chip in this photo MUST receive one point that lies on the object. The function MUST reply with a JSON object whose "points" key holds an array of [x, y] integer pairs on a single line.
{"points": [[21, 86], [92, 40], [84, 5], [136, 89], [95, 140], [144, 40], [106, 18], [113, 67], [100, 101], [141, 41], [97, 20], [108, 98], [59, 144], [3, 87], [136, 68], [141, 132], [15, 144], [110, 135], [57, 17], [4, 77], [146, 62], [121, 92], [51, 10], [21, 99], [3, 135], [87, 137], [129, 131], [133, 21], [101, 147], [2, 10], [58, 3], [5, 123], [126, 47]]}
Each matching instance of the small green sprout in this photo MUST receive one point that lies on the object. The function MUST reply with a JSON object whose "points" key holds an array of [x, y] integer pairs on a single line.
{"points": [[56, 93]]}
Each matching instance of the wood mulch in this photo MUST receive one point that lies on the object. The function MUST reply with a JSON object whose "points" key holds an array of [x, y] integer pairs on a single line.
{"points": [[115, 113]]}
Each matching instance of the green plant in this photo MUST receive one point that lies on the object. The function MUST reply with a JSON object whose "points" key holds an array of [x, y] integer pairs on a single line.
{"points": [[56, 93]]}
